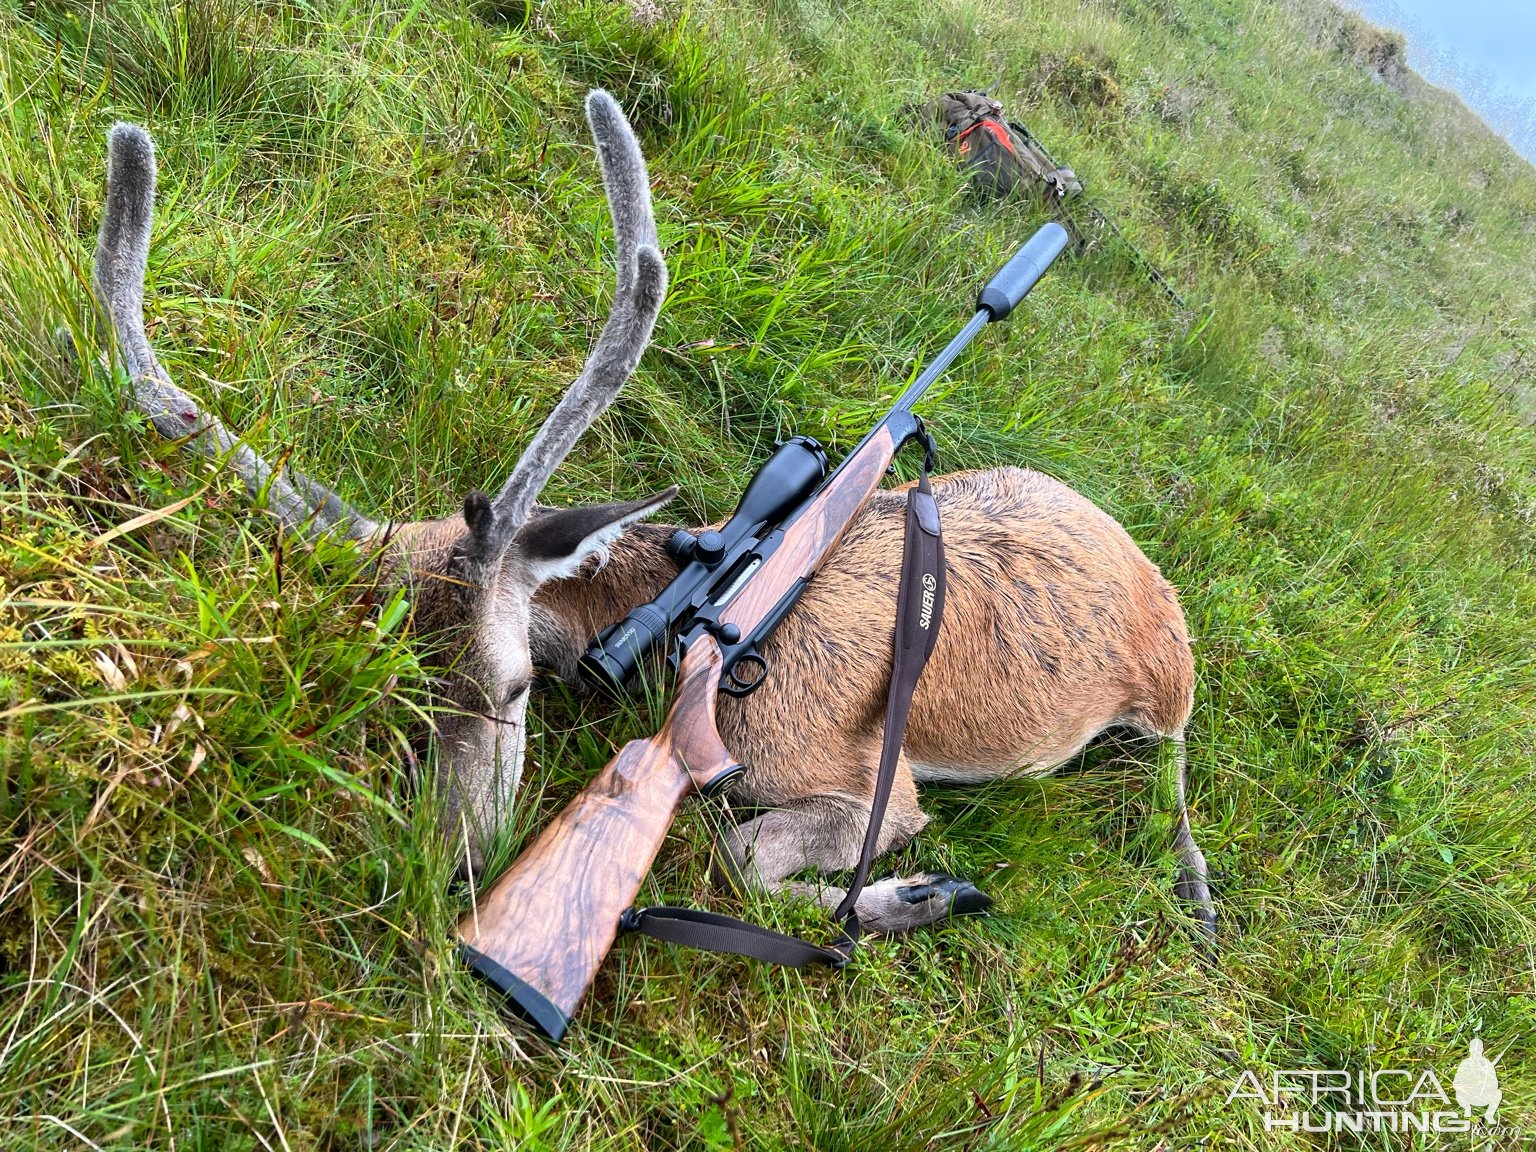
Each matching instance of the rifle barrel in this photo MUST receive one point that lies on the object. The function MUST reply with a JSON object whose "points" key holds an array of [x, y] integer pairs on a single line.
{"points": [[1002, 295], [943, 360]]}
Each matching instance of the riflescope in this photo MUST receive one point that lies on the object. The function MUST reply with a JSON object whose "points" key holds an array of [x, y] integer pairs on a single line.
{"points": [[710, 561]]}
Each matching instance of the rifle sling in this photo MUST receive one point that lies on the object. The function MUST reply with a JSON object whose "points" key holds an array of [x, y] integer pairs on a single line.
{"points": [[713, 932], [919, 611]]}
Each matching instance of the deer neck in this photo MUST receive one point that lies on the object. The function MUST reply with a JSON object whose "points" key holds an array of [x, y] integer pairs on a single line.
{"points": [[568, 613]]}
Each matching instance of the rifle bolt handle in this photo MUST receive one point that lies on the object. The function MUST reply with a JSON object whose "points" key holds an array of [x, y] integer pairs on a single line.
{"points": [[725, 633]]}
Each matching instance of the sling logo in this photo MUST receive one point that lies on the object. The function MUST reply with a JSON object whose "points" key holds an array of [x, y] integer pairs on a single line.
{"points": [[1377, 1100], [925, 617]]}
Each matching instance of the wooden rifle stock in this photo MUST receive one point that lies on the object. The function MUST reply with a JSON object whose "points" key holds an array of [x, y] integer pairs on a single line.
{"points": [[540, 932]]}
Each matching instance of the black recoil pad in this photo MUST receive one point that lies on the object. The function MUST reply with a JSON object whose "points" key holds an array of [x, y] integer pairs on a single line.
{"points": [[532, 1005], [1005, 290]]}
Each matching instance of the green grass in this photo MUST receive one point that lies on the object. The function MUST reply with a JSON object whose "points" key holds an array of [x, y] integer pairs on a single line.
{"points": [[223, 922]]}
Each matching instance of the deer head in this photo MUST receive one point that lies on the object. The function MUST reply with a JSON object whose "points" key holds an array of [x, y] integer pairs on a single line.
{"points": [[472, 575]]}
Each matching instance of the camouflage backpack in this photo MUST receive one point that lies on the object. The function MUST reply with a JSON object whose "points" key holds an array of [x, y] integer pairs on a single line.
{"points": [[1000, 157]]}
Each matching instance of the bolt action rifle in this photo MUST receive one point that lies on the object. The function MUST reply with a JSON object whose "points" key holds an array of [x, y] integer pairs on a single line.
{"points": [[540, 932]]}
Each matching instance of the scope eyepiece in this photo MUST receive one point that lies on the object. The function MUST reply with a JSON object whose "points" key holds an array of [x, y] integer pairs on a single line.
{"points": [[612, 660]]}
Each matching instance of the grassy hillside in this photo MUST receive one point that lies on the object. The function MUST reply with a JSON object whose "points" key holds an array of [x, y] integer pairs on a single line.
{"points": [[381, 249]]}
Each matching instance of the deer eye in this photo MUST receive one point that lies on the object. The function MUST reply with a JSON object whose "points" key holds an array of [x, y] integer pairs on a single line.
{"points": [[514, 692]]}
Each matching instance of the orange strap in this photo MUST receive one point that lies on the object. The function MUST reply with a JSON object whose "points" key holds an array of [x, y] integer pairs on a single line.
{"points": [[999, 133]]}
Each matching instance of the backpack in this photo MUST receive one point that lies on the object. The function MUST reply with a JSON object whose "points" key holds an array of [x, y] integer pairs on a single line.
{"points": [[1000, 157]]}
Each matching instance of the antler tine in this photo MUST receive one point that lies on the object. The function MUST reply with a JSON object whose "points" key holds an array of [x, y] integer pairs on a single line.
{"points": [[642, 282], [122, 255], [625, 180]]}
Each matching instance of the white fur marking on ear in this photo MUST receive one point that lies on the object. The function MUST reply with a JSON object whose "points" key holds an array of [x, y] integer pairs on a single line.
{"points": [[597, 544]]}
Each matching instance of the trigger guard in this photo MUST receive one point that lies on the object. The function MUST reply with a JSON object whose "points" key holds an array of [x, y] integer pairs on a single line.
{"points": [[733, 684]]}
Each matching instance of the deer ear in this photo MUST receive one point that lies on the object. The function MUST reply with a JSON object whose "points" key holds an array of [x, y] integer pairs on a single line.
{"points": [[557, 541], [479, 517]]}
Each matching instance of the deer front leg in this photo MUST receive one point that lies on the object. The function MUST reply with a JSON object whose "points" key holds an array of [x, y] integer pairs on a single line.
{"points": [[825, 833]]}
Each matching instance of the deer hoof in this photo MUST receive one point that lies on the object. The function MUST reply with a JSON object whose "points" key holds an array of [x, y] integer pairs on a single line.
{"points": [[960, 897], [1194, 892]]}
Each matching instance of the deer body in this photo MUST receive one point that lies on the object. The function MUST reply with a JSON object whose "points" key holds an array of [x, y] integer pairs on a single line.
{"points": [[1057, 627]]}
